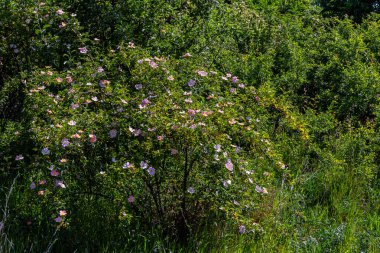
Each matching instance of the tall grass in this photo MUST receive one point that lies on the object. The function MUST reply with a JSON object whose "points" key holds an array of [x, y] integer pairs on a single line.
{"points": [[6, 244]]}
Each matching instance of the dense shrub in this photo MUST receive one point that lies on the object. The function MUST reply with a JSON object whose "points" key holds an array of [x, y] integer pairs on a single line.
{"points": [[163, 140], [222, 125]]}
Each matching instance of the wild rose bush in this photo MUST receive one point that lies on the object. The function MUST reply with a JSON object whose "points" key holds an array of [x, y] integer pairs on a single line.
{"points": [[37, 34], [164, 141]]}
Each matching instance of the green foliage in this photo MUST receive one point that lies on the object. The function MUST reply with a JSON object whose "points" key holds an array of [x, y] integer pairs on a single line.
{"points": [[189, 126], [181, 151], [357, 9]]}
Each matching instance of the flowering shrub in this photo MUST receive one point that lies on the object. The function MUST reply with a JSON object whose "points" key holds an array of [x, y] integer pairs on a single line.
{"points": [[168, 141], [127, 124]]}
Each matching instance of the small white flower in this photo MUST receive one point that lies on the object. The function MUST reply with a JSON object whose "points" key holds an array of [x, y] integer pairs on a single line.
{"points": [[60, 12], [45, 151], [242, 229], [19, 157], [113, 133], [83, 50], [226, 183], [143, 165], [32, 187]]}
